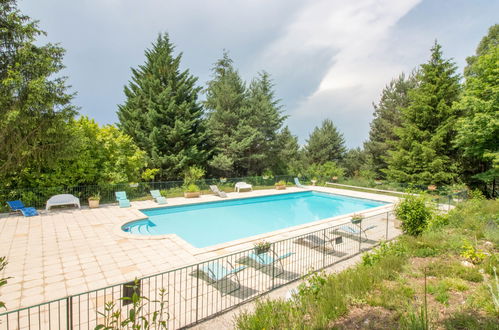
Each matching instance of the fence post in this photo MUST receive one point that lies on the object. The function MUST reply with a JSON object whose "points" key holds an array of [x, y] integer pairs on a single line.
{"points": [[387, 218], [324, 249], [273, 267], [69, 312], [360, 236], [197, 291]]}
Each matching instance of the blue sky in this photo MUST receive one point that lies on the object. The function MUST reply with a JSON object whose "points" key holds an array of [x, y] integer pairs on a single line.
{"points": [[328, 58]]}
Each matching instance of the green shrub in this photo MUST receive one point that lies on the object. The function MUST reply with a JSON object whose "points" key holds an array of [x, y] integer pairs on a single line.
{"points": [[3, 281], [414, 214], [385, 249], [192, 188]]}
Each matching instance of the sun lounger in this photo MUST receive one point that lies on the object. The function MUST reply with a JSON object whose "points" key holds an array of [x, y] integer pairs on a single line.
{"points": [[122, 199], [269, 259], [315, 242], [63, 199], [18, 206], [218, 192], [156, 194], [242, 186], [357, 230], [298, 184], [217, 272]]}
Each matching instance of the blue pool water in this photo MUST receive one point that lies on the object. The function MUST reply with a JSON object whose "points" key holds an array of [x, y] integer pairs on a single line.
{"points": [[206, 224]]}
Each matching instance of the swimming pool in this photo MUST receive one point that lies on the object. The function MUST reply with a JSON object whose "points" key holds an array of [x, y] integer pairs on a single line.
{"points": [[207, 224]]}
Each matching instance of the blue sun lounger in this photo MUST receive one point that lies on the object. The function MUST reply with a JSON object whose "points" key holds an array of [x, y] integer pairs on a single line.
{"points": [[357, 231], [270, 259], [298, 184], [18, 206], [156, 194], [217, 272], [122, 199]]}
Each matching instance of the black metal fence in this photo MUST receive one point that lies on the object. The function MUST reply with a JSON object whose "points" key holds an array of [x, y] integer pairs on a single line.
{"points": [[200, 291], [37, 197]]}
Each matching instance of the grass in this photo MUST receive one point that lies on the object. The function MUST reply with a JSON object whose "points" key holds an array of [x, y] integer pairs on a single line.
{"points": [[391, 279]]}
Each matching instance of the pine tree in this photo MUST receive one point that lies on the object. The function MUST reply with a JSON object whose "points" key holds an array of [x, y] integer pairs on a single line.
{"points": [[424, 153], [387, 117], [225, 104], [35, 106], [265, 116], [162, 113], [287, 158], [325, 144], [478, 131], [244, 122]]}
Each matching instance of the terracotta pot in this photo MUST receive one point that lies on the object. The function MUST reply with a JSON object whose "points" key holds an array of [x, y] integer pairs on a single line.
{"points": [[280, 187], [432, 187], [192, 194], [93, 203]]}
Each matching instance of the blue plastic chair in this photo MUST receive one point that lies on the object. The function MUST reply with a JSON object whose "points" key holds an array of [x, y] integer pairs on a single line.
{"points": [[156, 194], [122, 199], [18, 206]]}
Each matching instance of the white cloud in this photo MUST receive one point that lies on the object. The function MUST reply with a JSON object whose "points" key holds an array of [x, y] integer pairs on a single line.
{"points": [[359, 61]]}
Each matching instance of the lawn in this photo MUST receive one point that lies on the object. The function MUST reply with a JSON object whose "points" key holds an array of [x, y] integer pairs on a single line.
{"points": [[443, 278]]}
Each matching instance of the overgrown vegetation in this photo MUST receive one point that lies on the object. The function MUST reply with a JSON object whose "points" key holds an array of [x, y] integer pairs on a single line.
{"points": [[3, 281], [460, 290]]}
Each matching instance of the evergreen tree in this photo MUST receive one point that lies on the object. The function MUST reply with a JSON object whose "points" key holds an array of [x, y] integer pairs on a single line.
{"points": [[244, 122], [387, 117], [325, 144], [225, 103], [478, 131], [354, 162], [287, 158], [162, 113], [265, 116], [35, 107], [424, 153]]}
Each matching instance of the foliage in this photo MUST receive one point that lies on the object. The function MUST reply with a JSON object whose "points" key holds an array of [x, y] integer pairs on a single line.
{"points": [[280, 183], [288, 157], [135, 319], [244, 122], [3, 281], [381, 252], [34, 101], [355, 163], [494, 290], [325, 144], [424, 153], [95, 197], [478, 129], [387, 117], [192, 175], [191, 188], [414, 214], [162, 113], [325, 171], [473, 254], [262, 247]]}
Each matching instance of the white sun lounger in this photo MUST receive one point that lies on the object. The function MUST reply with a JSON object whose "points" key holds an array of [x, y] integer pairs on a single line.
{"points": [[242, 186], [64, 199]]}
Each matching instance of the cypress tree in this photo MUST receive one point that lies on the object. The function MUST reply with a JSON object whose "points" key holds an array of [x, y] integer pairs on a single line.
{"points": [[226, 107], [424, 153], [162, 113], [387, 117], [325, 144]]}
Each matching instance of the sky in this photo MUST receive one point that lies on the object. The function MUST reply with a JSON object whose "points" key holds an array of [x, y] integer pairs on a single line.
{"points": [[328, 58]]}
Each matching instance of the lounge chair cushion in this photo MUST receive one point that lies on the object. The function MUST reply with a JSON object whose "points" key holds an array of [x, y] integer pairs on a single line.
{"points": [[156, 194], [16, 205], [29, 211], [217, 272]]}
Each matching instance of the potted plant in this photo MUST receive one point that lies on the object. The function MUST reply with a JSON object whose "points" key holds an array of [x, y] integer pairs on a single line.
{"points": [[93, 201], [357, 218], [314, 181], [280, 185], [223, 180], [192, 191], [262, 247]]}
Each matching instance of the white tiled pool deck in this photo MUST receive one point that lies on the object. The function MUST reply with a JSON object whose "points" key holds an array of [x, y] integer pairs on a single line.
{"points": [[70, 251]]}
